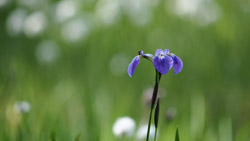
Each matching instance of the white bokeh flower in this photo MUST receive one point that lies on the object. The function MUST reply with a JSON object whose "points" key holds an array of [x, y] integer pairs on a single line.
{"points": [[142, 132], [22, 107], [47, 51], [15, 21], [202, 12], [107, 11], [35, 24], [75, 30], [3, 3], [139, 11], [64, 10], [124, 126]]}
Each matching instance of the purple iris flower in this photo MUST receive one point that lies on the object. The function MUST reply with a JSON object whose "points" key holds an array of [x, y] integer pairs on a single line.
{"points": [[163, 61]]}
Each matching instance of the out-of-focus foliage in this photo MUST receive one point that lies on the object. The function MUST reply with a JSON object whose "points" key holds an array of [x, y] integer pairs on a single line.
{"points": [[69, 59]]}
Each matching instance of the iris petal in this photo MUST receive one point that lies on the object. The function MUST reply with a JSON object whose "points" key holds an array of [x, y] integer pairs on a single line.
{"points": [[158, 52], [178, 65], [166, 51], [163, 65], [132, 66]]}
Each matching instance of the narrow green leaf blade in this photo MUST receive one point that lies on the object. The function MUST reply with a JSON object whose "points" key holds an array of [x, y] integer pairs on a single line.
{"points": [[177, 138], [157, 110]]}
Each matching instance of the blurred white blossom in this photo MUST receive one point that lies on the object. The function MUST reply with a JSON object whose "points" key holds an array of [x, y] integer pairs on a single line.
{"points": [[124, 126], [203, 12], [75, 30], [107, 11], [22, 107], [15, 21], [34, 24], [47, 51], [139, 11], [3, 3], [142, 132], [64, 10]]}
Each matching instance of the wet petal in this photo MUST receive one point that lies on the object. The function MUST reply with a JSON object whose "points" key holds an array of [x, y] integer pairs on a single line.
{"points": [[166, 51], [163, 65], [158, 52], [132, 66], [178, 65]]}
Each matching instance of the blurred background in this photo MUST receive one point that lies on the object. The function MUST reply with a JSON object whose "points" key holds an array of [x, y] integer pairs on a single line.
{"points": [[64, 68]]}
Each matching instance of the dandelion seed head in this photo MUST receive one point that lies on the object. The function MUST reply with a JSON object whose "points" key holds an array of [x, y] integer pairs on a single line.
{"points": [[124, 126]]}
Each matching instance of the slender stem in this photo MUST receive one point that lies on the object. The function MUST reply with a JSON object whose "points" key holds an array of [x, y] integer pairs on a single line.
{"points": [[155, 133], [156, 118], [154, 96], [149, 123]]}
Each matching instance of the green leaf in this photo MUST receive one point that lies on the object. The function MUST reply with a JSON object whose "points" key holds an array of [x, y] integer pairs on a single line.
{"points": [[157, 109], [78, 137], [177, 138]]}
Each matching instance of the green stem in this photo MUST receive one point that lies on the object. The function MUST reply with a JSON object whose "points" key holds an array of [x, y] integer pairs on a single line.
{"points": [[154, 96], [155, 133], [157, 110], [149, 122]]}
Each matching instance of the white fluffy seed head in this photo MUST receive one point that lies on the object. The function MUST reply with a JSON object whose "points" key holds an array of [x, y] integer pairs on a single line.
{"points": [[124, 126]]}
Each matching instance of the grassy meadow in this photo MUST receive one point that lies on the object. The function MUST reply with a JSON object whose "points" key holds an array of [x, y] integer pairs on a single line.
{"points": [[68, 60]]}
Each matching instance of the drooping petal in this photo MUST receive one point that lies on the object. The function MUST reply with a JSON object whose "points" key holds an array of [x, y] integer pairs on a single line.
{"points": [[158, 52], [166, 51], [132, 66], [163, 64], [178, 64]]}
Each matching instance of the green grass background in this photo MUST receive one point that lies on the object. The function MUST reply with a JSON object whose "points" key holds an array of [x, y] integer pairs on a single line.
{"points": [[79, 93]]}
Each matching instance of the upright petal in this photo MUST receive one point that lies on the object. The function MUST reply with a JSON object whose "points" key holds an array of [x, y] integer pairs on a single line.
{"points": [[163, 65], [132, 66], [178, 64], [158, 52], [166, 51]]}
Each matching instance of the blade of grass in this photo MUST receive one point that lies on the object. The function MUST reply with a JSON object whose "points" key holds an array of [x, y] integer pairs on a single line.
{"points": [[177, 138]]}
